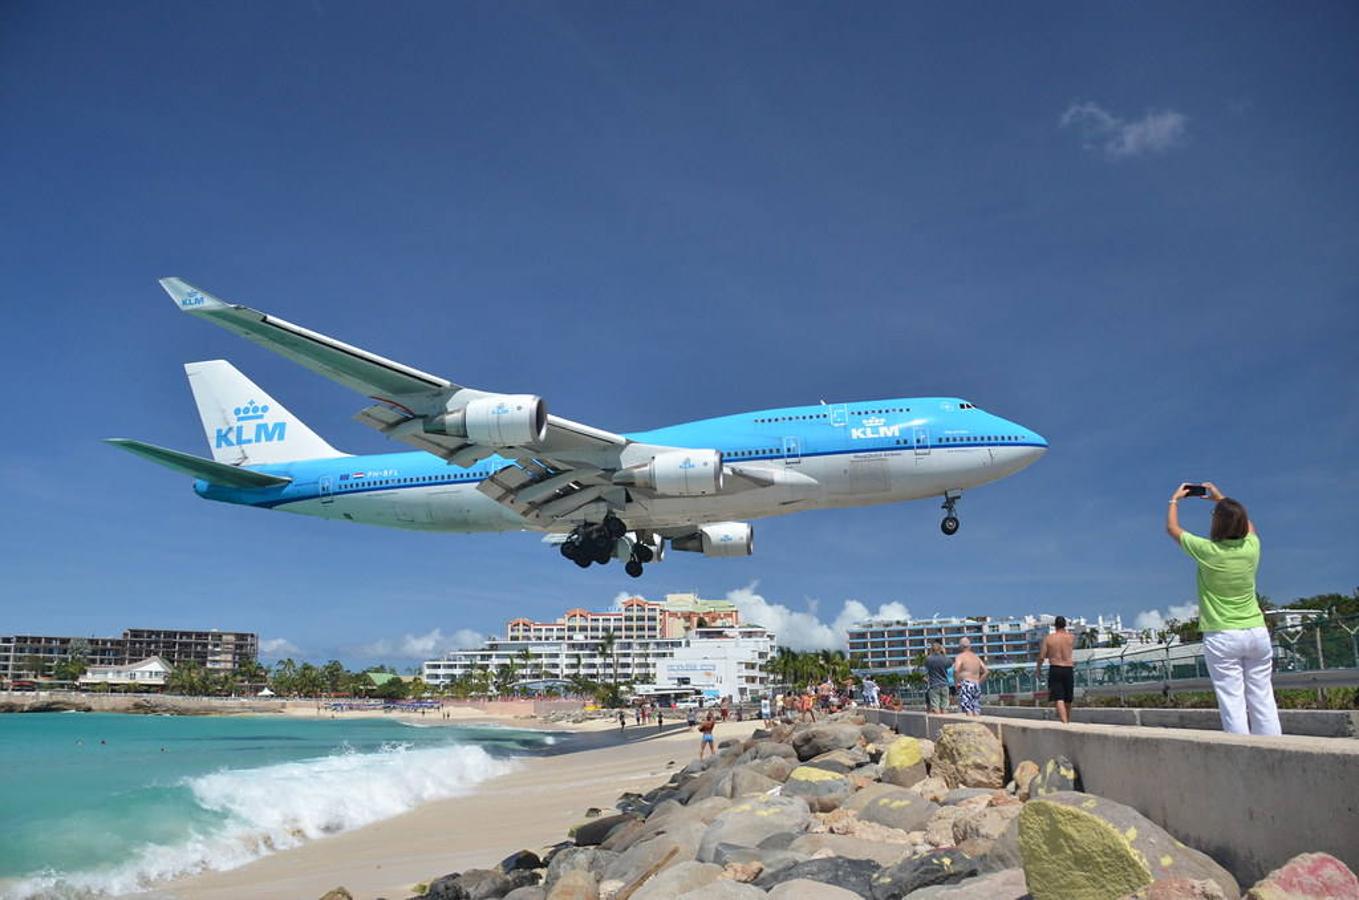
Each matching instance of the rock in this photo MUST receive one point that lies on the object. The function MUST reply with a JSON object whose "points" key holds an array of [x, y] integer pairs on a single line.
{"points": [[1057, 774], [902, 763], [577, 884], [893, 806], [1307, 876], [818, 739], [841, 761], [526, 893], [625, 835], [854, 875], [744, 872], [339, 893], [946, 866], [1179, 889], [961, 795], [939, 829], [927, 749], [724, 889], [1076, 844], [967, 754], [851, 847], [873, 733], [777, 768], [748, 781], [806, 889], [766, 860], [593, 832], [484, 884], [1007, 884], [751, 820], [524, 859], [1025, 772], [988, 823], [683, 839], [767, 750], [932, 788], [823, 791], [779, 841], [587, 859], [997, 854], [679, 878], [447, 887], [729, 742]]}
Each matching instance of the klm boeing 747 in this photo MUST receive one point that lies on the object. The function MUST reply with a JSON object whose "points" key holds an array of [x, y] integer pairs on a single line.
{"points": [[485, 461]]}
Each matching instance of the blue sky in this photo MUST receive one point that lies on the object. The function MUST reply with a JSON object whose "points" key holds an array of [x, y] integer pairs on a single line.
{"points": [[1132, 227]]}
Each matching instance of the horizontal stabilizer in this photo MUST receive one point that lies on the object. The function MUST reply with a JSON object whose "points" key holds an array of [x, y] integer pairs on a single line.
{"points": [[206, 469]]}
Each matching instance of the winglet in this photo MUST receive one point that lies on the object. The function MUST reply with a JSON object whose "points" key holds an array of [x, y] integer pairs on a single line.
{"points": [[189, 298]]}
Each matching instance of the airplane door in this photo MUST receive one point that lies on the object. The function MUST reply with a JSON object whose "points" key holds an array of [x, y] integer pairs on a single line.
{"points": [[921, 439], [839, 415], [324, 484], [792, 451]]}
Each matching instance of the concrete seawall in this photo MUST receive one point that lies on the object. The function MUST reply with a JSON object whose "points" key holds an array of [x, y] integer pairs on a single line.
{"points": [[1249, 802], [1313, 722]]}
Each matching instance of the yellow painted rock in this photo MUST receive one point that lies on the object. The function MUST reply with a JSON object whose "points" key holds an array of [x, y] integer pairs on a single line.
{"points": [[967, 754]]}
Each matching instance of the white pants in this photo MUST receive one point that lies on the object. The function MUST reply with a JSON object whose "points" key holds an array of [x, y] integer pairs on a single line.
{"points": [[1241, 664]]}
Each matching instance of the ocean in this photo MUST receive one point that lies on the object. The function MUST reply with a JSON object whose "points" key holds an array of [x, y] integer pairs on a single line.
{"points": [[101, 804]]}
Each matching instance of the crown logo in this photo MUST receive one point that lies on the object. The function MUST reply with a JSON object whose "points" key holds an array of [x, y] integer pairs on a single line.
{"points": [[874, 423], [250, 411], [500, 409]]}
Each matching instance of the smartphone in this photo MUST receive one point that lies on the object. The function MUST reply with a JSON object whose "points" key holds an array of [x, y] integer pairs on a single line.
{"points": [[1195, 490]]}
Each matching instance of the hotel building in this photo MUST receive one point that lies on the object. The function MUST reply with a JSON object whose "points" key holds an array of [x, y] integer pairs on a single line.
{"points": [[33, 656]]}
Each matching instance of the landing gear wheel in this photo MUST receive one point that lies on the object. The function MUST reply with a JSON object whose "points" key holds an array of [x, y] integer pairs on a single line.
{"points": [[643, 553], [569, 550], [949, 525], [614, 527], [633, 568], [582, 561], [603, 553]]}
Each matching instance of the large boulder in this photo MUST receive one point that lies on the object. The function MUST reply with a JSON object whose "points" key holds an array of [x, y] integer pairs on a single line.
{"points": [[724, 889], [1025, 773], [873, 733], [932, 788], [1308, 876], [594, 831], [746, 780], [1057, 774], [680, 878], [806, 889], [777, 768], [766, 749], [1179, 889], [678, 844], [577, 884], [850, 847], [526, 893], [751, 820], [987, 823], [823, 790], [946, 866], [1080, 845], [818, 739], [967, 754], [578, 859], [854, 875], [1007, 884], [484, 884], [841, 761], [523, 859], [902, 762], [895, 807]]}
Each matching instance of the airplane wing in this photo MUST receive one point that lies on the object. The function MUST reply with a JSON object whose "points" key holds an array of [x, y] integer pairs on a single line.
{"points": [[559, 468]]}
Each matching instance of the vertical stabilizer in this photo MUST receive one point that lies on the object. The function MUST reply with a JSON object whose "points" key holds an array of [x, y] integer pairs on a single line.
{"points": [[244, 425]]}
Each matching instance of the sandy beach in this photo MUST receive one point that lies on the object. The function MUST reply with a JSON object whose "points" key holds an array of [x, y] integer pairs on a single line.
{"points": [[531, 807]]}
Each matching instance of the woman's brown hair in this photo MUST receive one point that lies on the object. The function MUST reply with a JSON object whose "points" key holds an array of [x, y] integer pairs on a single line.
{"points": [[1230, 521]]}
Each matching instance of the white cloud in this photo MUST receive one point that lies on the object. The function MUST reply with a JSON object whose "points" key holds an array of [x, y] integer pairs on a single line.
{"points": [[805, 630], [1156, 620], [1118, 138], [429, 645], [279, 647]]}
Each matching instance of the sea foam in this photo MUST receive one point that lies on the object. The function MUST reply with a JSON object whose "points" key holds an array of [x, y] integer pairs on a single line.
{"points": [[281, 806]]}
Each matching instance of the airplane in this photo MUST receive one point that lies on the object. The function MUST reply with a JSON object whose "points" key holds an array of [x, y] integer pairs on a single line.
{"points": [[486, 461]]}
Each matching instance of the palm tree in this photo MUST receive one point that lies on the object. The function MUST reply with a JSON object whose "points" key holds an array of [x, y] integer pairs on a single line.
{"points": [[608, 645]]}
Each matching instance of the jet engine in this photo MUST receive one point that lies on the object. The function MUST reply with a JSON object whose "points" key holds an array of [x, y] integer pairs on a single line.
{"points": [[505, 420], [718, 539], [677, 473]]}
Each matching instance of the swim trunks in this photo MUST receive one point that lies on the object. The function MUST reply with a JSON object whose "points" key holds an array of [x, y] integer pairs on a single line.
{"points": [[1061, 683], [707, 737], [969, 696]]}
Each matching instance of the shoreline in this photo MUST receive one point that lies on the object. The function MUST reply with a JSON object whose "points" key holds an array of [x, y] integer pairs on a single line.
{"points": [[531, 807]]}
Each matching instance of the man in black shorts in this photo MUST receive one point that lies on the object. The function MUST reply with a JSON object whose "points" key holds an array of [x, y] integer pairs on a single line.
{"points": [[1057, 648]]}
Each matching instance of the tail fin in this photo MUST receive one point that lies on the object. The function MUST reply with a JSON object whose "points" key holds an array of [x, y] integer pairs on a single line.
{"points": [[244, 425]]}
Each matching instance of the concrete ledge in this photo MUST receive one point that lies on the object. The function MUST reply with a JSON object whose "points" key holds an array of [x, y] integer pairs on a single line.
{"points": [[1251, 803], [1309, 722]]}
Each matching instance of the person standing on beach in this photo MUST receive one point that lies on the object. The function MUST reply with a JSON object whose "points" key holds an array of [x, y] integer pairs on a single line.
{"points": [[1056, 650], [622, 720], [1236, 644], [936, 685], [970, 672], [705, 740], [660, 719]]}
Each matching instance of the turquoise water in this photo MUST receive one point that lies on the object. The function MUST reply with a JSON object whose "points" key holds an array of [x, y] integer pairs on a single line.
{"points": [[95, 804]]}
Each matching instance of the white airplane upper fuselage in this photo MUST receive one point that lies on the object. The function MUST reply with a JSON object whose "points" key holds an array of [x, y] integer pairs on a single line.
{"points": [[839, 455]]}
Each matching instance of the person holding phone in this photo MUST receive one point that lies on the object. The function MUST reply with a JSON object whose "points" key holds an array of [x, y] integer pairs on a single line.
{"points": [[1236, 644]]}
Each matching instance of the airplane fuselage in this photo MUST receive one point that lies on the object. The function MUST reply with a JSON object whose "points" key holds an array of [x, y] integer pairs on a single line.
{"points": [[841, 455]]}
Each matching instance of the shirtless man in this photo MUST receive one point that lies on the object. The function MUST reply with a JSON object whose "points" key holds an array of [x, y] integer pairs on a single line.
{"points": [[1061, 668], [969, 672]]}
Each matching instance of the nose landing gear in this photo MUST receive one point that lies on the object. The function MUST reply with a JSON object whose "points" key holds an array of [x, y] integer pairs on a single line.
{"points": [[950, 523]]}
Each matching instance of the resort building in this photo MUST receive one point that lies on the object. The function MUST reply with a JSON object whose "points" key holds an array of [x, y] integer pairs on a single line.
{"points": [[36, 656], [1004, 642], [151, 672], [651, 642]]}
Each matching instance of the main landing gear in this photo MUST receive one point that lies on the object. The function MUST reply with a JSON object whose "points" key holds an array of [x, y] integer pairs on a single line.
{"points": [[596, 543], [950, 523]]}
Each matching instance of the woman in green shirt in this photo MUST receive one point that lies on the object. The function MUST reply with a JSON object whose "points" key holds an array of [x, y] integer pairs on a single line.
{"points": [[1236, 644]]}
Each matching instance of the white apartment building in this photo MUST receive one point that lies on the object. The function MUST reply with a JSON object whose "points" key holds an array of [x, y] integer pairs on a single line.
{"points": [[1004, 642]]}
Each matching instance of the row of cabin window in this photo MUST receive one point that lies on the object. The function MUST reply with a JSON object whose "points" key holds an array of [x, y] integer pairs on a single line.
{"points": [[422, 479], [857, 412]]}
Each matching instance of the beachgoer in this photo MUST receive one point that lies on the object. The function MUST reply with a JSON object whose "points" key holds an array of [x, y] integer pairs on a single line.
{"points": [[660, 720], [637, 714], [765, 712], [705, 741], [1236, 644], [691, 716], [970, 672], [1061, 668], [936, 672], [622, 720]]}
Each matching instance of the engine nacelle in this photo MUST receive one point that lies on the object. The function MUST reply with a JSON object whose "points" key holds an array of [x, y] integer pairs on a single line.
{"points": [[719, 539], [505, 420], [678, 473]]}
